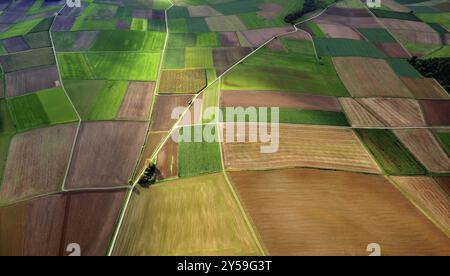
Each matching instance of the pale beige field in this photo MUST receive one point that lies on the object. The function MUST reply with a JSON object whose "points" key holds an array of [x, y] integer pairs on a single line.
{"points": [[357, 114]]}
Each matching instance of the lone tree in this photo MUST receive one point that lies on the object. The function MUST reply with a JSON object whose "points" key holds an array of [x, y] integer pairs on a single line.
{"points": [[149, 176]]}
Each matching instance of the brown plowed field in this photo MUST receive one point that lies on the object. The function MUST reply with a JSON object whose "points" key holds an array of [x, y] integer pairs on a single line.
{"points": [[319, 212], [425, 88], [412, 31], [138, 101], [444, 183], [339, 31], [105, 154], [395, 112], [302, 146], [426, 149], [357, 114], [393, 50], [368, 77], [32, 227], [182, 81], [354, 22], [258, 37], [229, 39], [437, 112], [164, 106], [167, 163], [31, 80], [91, 219], [37, 162], [270, 11], [429, 196], [278, 99], [226, 57]]}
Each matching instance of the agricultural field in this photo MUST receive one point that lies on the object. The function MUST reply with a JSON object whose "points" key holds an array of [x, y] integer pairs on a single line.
{"points": [[112, 134]]}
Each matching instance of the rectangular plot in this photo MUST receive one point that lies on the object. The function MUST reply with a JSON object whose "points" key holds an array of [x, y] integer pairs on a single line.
{"points": [[182, 81], [29, 59], [139, 24], [120, 40], [229, 39], [167, 161], [198, 57], [74, 41], [138, 101], [225, 23], [163, 110], [425, 88], [15, 44], [357, 114], [38, 40], [339, 47], [437, 112], [31, 80], [98, 149], [74, 66]]}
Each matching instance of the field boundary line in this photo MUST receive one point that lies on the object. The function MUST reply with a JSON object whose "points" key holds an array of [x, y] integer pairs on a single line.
{"points": [[68, 97]]}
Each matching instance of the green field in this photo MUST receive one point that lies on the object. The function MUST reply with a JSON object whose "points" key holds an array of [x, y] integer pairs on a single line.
{"points": [[122, 40], [198, 58], [394, 15], [181, 40], [109, 66], [38, 40], [423, 49], [7, 131], [195, 158], [211, 102], [208, 39], [68, 41], [444, 138], [376, 35], [47, 107], [394, 158], [253, 21], [443, 51], [177, 25], [236, 7], [402, 68], [28, 59], [197, 25], [139, 24], [44, 25], [96, 100], [443, 17], [316, 30], [157, 25], [341, 47], [352, 4], [178, 12], [20, 28], [174, 59]]}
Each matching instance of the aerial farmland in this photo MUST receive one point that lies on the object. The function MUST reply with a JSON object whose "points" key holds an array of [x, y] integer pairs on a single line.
{"points": [[224, 127]]}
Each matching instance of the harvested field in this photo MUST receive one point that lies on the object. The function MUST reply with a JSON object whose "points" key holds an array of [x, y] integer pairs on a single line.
{"points": [[229, 23], [229, 39], [302, 146], [425, 148], [339, 31], [278, 99], [317, 212], [138, 101], [167, 160], [395, 112], [193, 216], [444, 183], [224, 58], [99, 148], [260, 36], [358, 115], [153, 141], [393, 50], [37, 162], [33, 227], [90, 220], [367, 77], [429, 196], [202, 11], [15, 44], [182, 81], [270, 11], [31, 80], [412, 31], [163, 110], [437, 112]]}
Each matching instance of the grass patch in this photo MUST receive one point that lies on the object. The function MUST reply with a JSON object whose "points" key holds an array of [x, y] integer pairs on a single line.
{"points": [[74, 66], [390, 152], [139, 24], [402, 68], [44, 25], [316, 30], [157, 25], [195, 158], [235, 7], [87, 24], [177, 25], [28, 59], [178, 12], [444, 51], [421, 49], [198, 58], [47, 107], [376, 35], [208, 39], [341, 47], [122, 40]]}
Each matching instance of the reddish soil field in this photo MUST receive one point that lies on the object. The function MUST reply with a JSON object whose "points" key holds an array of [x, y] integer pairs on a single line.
{"points": [[444, 183], [229, 39], [105, 154], [412, 31], [357, 114], [320, 212], [153, 141], [90, 220], [270, 11], [276, 46], [395, 112], [163, 110], [393, 50], [195, 113], [348, 12], [32, 227], [368, 77], [339, 31], [437, 112], [299, 146], [425, 148], [260, 36], [299, 35], [354, 22], [182, 81], [224, 58], [37, 162], [138, 101], [31, 80], [167, 162], [425, 88], [278, 99], [426, 193]]}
